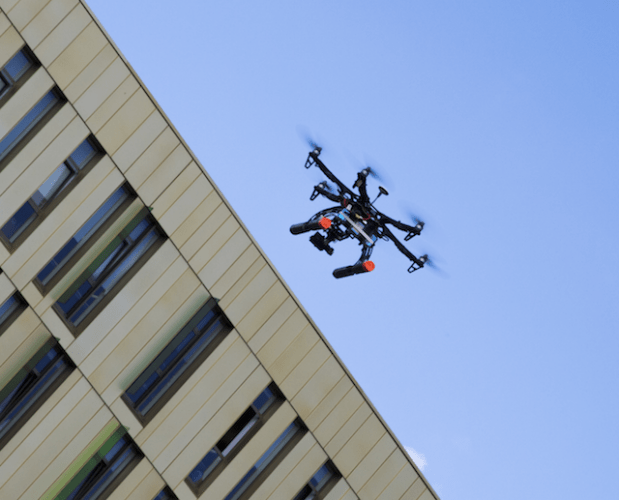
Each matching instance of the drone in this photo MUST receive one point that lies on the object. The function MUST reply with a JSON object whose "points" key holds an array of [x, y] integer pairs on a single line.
{"points": [[354, 217]]}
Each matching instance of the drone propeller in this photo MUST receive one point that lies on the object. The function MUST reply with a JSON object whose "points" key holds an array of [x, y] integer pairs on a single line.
{"points": [[306, 137], [325, 185]]}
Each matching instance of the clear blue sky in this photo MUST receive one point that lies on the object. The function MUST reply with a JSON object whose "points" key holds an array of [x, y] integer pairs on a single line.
{"points": [[499, 123]]}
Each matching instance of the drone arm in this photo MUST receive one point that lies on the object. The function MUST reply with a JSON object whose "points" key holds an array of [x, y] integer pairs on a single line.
{"points": [[362, 179], [319, 189], [411, 230], [416, 262], [314, 156]]}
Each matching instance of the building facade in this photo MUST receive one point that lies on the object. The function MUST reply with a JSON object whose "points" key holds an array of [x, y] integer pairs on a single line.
{"points": [[148, 348]]}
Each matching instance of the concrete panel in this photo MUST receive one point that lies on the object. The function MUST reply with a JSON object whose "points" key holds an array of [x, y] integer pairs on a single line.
{"points": [[41, 415], [183, 492], [24, 11], [77, 441], [400, 484], [342, 422], [38, 436], [7, 5], [191, 224], [35, 146], [51, 235], [169, 181], [293, 473], [206, 395], [19, 343], [306, 368], [5, 24], [360, 443], [219, 214], [292, 357], [236, 308], [31, 294], [6, 288], [106, 348], [288, 478], [4, 254], [62, 35], [125, 122], [90, 73], [263, 310], [417, 489], [126, 417], [371, 462], [185, 204], [214, 243], [232, 400], [248, 264], [40, 169], [230, 476], [10, 43], [148, 350], [317, 387], [24, 100], [143, 483], [341, 491], [58, 329], [102, 88], [121, 95], [141, 139], [273, 324], [140, 325], [46, 20], [122, 303], [283, 337], [385, 474], [153, 156], [225, 257], [80, 52]]}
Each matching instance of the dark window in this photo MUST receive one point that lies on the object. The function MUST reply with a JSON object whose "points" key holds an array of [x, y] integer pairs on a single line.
{"points": [[10, 310], [98, 478], [128, 251], [49, 193], [26, 124], [83, 235], [177, 361], [14, 70], [29, 389], [233, 441], [166, 494], [268, 461], [320, 484]]}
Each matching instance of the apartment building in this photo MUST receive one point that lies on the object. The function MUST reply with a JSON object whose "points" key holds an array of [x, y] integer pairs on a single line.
{"points": [[148, 348]]}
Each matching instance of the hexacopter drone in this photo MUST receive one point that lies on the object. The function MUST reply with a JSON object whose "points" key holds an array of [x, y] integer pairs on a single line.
{"points": [[354, 217]]}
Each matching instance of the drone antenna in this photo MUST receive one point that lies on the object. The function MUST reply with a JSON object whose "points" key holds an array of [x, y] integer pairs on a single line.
{"points": [[381, 190]]}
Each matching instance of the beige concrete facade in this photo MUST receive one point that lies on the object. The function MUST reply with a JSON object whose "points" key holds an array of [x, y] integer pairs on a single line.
{"points": [[201, 250]]}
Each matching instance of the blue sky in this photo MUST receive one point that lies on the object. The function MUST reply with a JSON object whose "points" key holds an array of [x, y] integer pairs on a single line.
{"points": [[498, 122]]}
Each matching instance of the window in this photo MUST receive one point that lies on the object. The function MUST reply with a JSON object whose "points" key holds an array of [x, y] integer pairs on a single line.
{"points": [[49, 194], [10, 310], [34, 116], [45, 278], [14, 70], [128, 251], [166, 494], [267, 462], [100, 476], [29, 389], [320, 484], [177, 361], [233, 441]]}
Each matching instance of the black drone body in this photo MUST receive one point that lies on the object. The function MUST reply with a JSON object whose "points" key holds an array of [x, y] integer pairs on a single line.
{"points": [[355, 217]]}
